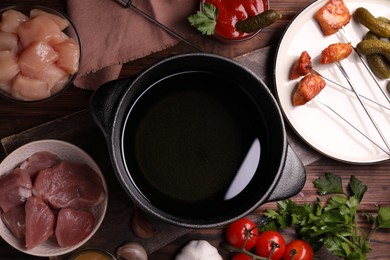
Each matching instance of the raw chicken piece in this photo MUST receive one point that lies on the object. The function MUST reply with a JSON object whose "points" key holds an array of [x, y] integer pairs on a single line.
{"points": [[40, 222], [53, 75], [11, 19], [39, 161], [8, 42], [60, 85], [309, 87], [15, 188], [39, 28], [58, 39], [333, 16], [61, 22], [73, 226], [8, 67], [69, 185], [36, 57], [28, 89], [14, 220], [69, 55]]}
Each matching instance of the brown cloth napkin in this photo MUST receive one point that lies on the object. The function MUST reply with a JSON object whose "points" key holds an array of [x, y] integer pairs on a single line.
{"points": [[112, 35]]}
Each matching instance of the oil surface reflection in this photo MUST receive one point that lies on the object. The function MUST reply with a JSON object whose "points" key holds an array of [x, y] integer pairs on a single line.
{"points": [[246, 171]]}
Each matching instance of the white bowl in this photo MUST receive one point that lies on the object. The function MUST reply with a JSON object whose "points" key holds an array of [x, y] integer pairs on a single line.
{"points": [[65, 151]]}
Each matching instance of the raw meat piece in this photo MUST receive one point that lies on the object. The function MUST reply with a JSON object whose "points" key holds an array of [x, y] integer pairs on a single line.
{"points": [[11, 19], [60, 85], [14, 220], [39, 161], [53, 74], [36, 57], [69, 54], [8, 42], [29, 89], [39, 28], [69, 185], [8, 67], [73, 226], [15, 188], [61, 22], [40, 222]]}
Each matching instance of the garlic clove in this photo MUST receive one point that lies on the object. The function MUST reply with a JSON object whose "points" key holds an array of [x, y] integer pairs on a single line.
{"points": [[140, 225], [131, 251]]}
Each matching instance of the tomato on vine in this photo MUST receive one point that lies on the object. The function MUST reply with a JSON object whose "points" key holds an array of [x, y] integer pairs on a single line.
{"points": [[298, 250], [270, 244], [242, 233]]}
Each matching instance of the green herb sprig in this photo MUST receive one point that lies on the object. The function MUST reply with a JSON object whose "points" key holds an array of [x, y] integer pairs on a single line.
{"points": [[333, 224], [205, 21]]}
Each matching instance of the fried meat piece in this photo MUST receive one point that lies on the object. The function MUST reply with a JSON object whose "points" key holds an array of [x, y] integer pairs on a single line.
{"points": [[335, 52], [302, 66], [308, 87], [333, 16]]}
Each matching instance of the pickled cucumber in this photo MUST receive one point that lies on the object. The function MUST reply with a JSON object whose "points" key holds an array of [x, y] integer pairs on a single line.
{"points": [[375, 25], [388, 87], [367, 47], [377, 62], [260, 21], [384, 19]]}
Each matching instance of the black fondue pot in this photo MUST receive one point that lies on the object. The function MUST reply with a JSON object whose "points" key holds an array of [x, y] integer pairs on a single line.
{"points": [[197, 140]]}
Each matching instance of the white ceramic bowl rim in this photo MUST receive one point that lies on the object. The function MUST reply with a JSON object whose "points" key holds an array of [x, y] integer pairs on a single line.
{"points": [[66, 151]]}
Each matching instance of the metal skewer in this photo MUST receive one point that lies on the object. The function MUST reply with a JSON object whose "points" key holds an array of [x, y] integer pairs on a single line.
{"points": [[338, 84], [341, 68], [343, 34], [128, 3], [345, 120]]}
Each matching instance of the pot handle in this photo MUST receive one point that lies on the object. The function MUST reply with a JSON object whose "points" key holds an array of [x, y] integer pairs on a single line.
{"points": [[104, 102], [292, 180]]}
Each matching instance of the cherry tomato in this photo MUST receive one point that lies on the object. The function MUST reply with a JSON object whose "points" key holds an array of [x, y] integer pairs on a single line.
{"points": [[241, 256], [268, 241], [242, 231], [298, 250]]}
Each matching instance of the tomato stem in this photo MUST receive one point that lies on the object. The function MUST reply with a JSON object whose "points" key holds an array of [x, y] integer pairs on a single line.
{"points": [[274, 247], [242, 250]]}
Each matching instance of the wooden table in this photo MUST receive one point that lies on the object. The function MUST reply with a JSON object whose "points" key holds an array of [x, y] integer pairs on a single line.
{"points": [[16, 118]]}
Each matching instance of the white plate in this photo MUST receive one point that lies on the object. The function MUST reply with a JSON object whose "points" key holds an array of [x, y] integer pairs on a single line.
{"points": [[317, 125]]}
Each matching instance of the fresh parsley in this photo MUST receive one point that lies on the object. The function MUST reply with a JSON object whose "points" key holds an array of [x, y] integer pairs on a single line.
{"points": [[332, 223], [205, 21]]}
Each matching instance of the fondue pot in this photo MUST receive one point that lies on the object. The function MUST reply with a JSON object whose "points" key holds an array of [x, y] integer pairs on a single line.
{"points": [[197, 140]]}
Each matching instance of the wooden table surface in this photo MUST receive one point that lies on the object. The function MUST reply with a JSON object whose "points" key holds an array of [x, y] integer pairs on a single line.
{"points": [[16, 118]]}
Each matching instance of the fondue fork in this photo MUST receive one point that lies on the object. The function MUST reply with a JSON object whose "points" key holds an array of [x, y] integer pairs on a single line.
{"points": [[353, 126], [346, 88], [341, 68], [343, 35], [128, 3]]}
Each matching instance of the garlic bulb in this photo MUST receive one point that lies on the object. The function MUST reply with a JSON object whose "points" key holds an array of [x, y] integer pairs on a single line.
{"points": [[131, 251], [199, 250]]}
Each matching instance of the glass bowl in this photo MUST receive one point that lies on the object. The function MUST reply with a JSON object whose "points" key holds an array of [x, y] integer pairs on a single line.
{"points": [[242, 36], [92, 253], [26, 32]]}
